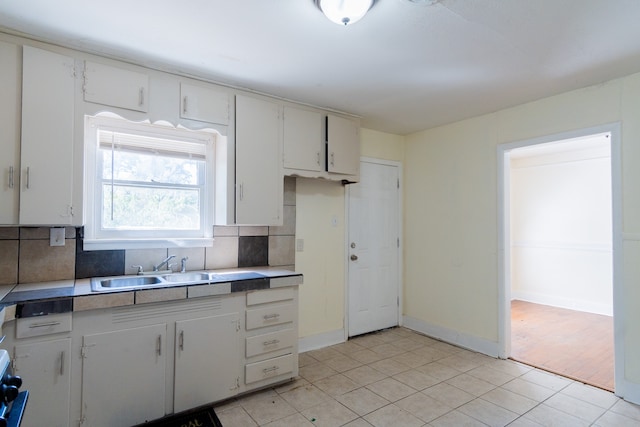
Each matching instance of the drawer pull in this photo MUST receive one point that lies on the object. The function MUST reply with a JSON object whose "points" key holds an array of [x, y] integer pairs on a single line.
{"points": [[272, 342], [270, 371], [43, 325], [270, 316]]}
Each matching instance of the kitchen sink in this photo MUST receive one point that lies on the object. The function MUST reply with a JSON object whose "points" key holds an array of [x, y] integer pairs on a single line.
{"points": [[99, 284], [236, 275], [125, 282], [188, 277]]}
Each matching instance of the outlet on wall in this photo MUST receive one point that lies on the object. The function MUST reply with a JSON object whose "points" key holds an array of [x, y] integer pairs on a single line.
{"points": [[56, 236]]}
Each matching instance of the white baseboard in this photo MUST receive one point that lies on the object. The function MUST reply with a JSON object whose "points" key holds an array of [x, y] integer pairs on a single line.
{"points": [[451, 336], [568, 303], [324, 339]]}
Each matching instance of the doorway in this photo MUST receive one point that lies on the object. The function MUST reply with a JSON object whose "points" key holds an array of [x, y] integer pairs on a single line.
{"points": [[558, 226], [373, 291]]}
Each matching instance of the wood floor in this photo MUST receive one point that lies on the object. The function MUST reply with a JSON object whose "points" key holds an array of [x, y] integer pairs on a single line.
{"points": [[571, 343]]}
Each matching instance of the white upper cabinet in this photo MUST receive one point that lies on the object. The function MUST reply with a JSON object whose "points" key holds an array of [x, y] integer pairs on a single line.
{"points": [[10, 84], [259, 179], [204, 104], [302, 140], [116, 87], [319, 146], [343, 146], [47, 138]]}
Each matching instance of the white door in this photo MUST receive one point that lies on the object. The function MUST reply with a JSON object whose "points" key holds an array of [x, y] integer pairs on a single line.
{"points": [[374, 240]]}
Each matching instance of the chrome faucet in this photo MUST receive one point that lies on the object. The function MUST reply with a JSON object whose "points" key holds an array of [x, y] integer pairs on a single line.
{"points": [[183, 264], [163, 263]]}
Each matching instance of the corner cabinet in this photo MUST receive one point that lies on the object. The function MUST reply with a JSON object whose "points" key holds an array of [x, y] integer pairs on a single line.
{"points": [[259, 179], [46, 177]]}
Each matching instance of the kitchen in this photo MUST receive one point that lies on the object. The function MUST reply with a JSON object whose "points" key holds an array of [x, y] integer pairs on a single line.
{"points": [[460, 259]]}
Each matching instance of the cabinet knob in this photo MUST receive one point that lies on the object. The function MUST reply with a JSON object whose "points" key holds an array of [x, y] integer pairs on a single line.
{"points": [[354, 257]]}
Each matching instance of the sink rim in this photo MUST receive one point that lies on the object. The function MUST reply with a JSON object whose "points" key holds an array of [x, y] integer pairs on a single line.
{"points": [[99, 283], [165, 280]]}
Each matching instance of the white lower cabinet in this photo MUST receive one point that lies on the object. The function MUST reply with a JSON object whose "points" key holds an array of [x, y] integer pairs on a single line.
{"points": [[123, 376], [206, 354], [45, 370], [127, 365]]}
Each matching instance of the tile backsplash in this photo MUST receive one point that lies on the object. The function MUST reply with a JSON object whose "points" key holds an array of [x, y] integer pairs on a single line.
{"points": [[27, 257]]}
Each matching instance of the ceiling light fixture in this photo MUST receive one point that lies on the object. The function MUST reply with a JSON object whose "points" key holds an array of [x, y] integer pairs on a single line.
{"points": [[344, 12]]}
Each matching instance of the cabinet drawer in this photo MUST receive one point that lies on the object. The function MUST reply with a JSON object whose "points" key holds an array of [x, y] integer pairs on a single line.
{"points": [[272, 295], [43, 325], [269, 368], [270, 342], [269, 316]]}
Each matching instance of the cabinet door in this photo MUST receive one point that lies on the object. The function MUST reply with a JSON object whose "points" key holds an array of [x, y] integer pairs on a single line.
{"points": [[204, 104], [259, 180], [302, 140], [343, 146], [10, 135], [47, 138], [123, 376], [207, 368], [44, 368], [117, 87]]}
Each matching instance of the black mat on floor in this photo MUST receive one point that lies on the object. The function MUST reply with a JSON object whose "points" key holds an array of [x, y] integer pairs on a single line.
{"points": [[204, 417]]}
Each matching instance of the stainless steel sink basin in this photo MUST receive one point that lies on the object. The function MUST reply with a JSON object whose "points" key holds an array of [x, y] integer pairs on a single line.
{"points": [[189, 277], [125, 282], [236, 275]]}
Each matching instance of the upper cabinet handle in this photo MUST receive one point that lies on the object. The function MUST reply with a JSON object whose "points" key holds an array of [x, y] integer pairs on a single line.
{"points": [[184, 105], [141, 96], [332, 163], [28, 176], [10, 176]]}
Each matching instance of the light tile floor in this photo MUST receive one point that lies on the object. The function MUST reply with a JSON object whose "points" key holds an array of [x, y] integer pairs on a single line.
{"points": [[400, 378]]}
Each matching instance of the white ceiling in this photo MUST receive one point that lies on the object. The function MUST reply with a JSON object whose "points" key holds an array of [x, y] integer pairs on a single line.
{"points": [[404, 67]]}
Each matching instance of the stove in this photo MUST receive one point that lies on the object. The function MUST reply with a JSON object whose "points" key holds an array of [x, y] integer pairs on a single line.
{"points": [[12, 400]]}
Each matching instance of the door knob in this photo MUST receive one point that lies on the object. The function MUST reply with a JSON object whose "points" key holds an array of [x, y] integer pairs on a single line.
{"points": [[354, 257]]}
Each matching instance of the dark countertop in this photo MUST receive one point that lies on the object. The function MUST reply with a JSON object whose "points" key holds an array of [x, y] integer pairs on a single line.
{"points": [[84, 298]]}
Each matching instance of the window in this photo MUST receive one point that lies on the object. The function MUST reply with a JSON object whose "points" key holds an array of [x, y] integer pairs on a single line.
{"points": [[147, 185]]}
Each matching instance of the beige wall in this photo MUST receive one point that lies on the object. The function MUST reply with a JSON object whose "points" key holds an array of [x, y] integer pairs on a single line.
{"points": [[451, 235], [322, 297]]}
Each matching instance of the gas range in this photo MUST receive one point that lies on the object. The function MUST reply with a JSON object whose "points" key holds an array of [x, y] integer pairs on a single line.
{"points": [[12, 400]]}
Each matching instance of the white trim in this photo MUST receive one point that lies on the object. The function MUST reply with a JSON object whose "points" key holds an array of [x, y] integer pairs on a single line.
{"points": [[451, 336], [398, 165], [622, 387], [322, 340]]}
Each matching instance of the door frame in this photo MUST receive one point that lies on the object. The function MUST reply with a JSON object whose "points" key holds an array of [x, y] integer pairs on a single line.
{"points": [[347, 194], [504, 255]]}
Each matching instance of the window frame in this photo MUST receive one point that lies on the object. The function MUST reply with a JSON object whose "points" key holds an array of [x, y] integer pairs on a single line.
{"points": [[95, 236]]}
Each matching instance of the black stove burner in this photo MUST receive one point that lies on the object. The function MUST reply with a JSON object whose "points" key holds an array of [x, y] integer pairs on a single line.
{"points": [[12, 401]]}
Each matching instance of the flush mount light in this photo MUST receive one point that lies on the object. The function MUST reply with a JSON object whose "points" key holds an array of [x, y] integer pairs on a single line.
{"points": [[344, 12]]}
